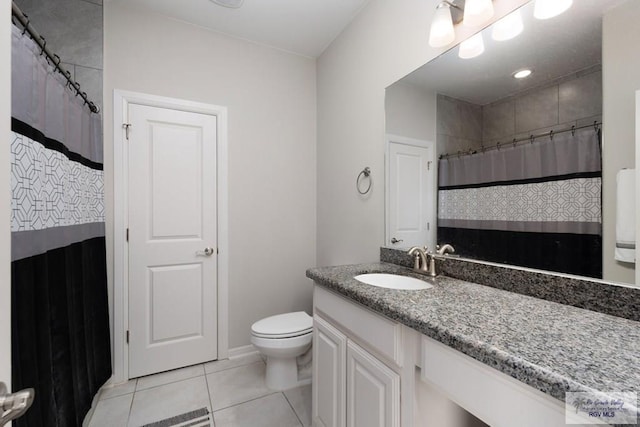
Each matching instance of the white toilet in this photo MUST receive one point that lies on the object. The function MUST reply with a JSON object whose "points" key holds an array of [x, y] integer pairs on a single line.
{"points": [[282, 339]]}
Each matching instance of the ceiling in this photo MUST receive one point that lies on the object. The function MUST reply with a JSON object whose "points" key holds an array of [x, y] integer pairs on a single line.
{"points": [[305, 27], [553, 48]]}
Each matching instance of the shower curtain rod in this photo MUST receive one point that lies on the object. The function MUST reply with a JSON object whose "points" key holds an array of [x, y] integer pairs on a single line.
{"points": [[531, 138], [52, 58]]}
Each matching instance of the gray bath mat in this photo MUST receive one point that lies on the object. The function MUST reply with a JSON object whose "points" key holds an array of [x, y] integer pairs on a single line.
{"points": [[198, 418]]}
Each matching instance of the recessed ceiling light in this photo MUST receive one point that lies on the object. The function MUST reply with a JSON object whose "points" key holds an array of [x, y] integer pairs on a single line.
{"points": [[521, 74], [234, 4]]}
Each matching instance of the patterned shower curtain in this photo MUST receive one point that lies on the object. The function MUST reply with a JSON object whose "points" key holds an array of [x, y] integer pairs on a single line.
{"points": [[535, 205], [60, 320]]}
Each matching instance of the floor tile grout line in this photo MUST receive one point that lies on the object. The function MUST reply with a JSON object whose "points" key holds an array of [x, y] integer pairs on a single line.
{"points": [[231, 367], [293, 409], [206, 382], [271, 393], [170, 382], [131, 405]]}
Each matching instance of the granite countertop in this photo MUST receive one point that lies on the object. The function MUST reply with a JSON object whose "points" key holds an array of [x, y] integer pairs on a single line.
{"points": [[552, 347]]}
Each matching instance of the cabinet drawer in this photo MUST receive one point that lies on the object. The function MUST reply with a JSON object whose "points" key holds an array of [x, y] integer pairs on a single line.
{"points": [[370, 329]]}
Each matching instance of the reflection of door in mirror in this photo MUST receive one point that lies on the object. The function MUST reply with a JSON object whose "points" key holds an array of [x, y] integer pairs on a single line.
{"points": [[411, 192]]}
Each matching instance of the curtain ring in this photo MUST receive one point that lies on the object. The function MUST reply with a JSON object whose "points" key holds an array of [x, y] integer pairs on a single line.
{"points": [[26, 25], [44, 46], [482, 148], [573, 130], [498, 145], [551, 134], [367, 174], [514, 142], [459, 153], [531, 139], [595, 125]]}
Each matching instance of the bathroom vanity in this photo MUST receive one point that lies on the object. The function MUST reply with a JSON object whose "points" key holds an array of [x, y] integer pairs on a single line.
{"points": [[504, 357]]}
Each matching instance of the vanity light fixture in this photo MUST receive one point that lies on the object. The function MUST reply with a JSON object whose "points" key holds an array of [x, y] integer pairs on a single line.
{"points": [[508, 27], [521, 74], [477, 12], [442, 33], [545, 9], [449, 13], [471, 47]]}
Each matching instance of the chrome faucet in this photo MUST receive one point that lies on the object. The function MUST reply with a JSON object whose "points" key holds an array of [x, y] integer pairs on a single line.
{"points": [[419, 259], [423, 261]]}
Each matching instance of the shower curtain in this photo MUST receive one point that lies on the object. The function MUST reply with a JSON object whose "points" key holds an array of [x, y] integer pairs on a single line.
{"points": [[60, 320], [535, 205]]}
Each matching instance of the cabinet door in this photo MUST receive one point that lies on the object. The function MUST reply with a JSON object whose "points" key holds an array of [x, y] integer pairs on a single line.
{"points": [[329, 376], [373, 391]]}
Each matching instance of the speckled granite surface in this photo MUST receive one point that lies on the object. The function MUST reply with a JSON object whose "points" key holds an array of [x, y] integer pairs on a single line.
{"points": [[552, 347], [605, 298]]}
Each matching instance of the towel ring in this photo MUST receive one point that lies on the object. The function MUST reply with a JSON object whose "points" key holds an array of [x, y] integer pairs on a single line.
{"points": [[367, 174]]}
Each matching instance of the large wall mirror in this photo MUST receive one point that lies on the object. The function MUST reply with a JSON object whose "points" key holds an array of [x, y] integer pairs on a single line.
{"points": [[521, 171]]}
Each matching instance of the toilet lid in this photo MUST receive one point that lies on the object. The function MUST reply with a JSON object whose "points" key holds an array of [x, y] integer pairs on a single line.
{"points": [[283, 325]]}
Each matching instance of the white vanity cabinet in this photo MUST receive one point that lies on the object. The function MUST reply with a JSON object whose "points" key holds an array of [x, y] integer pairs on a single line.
{"points": [[354, 386]]}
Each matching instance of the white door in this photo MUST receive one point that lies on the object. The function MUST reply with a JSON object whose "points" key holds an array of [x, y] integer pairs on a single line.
{"points": [[329, 376], [412, 196], [172, 239], [373, 391]]}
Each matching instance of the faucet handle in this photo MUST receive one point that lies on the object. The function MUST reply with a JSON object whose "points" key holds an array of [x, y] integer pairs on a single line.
{"points": [[445, 249]]}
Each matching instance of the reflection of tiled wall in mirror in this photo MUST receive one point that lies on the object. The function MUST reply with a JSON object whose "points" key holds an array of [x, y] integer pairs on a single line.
{"points": [[73, 31], [459, 125], [560, 104]]}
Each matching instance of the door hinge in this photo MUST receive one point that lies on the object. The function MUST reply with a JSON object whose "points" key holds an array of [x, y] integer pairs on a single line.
{"points": [[428, 226], [127, 237], [428, 164], [127, 337], [126, 127]]}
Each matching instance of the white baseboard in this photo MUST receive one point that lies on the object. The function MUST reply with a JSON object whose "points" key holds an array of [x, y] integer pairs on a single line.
{"points": [[242, 351]]}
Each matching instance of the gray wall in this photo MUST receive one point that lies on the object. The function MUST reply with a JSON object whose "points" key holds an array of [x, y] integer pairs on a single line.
{"points": [[271, 99], [73, 31], [621, 78], [572, 100], [459, 125], [410, 111]]}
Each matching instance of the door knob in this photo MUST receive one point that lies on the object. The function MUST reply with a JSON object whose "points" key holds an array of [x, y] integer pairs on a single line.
{"points": [[206, 252], [13, 405], [394, 240]]}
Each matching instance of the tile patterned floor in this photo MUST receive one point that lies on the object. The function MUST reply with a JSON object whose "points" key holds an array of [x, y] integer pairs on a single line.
{"points": [[233, 390]]}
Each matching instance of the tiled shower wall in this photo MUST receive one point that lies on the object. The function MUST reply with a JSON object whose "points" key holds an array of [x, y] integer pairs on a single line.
{"points": [[571, 100], [73, 30]]}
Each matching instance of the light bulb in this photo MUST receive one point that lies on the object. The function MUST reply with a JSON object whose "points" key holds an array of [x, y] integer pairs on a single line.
{"points": [[477, 12], [508, 27], [471, 47], [442, 32], [545, 9], [522, 74]]}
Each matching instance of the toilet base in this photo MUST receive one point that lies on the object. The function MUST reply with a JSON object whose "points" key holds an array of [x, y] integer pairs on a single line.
{"points": [[282, 373]]}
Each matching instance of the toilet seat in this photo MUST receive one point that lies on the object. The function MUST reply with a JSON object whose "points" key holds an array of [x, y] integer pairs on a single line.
{"points": [[286, 325]]}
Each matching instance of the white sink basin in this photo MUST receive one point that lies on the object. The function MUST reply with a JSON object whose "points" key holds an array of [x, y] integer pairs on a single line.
{"points": [[392, 281]]}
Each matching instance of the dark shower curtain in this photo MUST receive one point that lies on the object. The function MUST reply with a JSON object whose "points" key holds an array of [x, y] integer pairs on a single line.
{"points": [[60, 320], [534, 205]]}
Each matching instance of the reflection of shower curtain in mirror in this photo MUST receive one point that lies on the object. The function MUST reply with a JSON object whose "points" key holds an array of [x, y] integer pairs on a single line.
{"points": [[535, 205], [60, 323]]}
